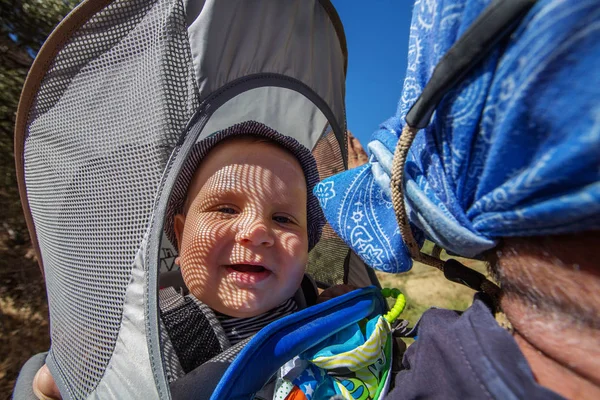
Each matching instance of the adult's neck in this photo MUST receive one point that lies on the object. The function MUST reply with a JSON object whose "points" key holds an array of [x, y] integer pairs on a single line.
{"points": [[565, 360], [552, 298]]}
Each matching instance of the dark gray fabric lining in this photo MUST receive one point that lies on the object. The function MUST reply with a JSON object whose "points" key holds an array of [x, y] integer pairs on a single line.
{"points": [[193, 329], [201, 382]]}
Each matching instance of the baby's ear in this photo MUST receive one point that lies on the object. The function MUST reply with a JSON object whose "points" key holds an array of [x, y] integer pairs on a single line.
{"points": [[178, 224]]}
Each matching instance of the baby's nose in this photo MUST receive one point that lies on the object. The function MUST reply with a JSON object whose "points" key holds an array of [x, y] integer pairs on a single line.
{"points": [[256, 233]]}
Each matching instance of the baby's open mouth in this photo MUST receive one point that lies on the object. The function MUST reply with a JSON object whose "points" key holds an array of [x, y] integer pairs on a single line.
{"points": [[247, 275], [247, 268]]}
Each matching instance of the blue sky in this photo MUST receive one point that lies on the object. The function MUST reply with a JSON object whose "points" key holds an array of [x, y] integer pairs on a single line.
{"points": [[377, 35]]}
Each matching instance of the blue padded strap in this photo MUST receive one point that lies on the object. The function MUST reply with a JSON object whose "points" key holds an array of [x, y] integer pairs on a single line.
{"points": [[284, 339]]}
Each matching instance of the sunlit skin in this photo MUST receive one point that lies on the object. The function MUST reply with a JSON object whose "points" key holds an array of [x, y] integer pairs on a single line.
{"points": [[242, 238], [551, 288]]}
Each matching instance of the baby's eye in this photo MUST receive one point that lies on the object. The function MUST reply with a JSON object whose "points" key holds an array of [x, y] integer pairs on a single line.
{"points": [[227, 210], [282, 219]]}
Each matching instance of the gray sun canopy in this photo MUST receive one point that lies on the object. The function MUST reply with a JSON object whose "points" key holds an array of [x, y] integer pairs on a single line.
{"points": [[114, 102]]}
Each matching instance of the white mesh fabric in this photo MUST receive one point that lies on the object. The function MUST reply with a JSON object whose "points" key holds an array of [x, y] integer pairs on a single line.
{"points": [[108, 114]]}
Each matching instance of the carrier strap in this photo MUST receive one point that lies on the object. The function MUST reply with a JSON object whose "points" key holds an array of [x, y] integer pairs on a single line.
{"points": [[200, 383], [193, 329]]}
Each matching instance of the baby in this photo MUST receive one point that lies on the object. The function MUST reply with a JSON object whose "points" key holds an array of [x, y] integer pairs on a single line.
{"points": [[242, 234], [244, 218]]}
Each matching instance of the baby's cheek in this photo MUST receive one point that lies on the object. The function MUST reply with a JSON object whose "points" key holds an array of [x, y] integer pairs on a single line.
{"points": [[197, 243], [193, 268], [295, 245], [295, 248], [192, 277]]}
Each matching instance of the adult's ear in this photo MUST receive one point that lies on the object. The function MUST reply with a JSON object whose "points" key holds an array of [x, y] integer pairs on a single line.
{"points": [[178, 224]]}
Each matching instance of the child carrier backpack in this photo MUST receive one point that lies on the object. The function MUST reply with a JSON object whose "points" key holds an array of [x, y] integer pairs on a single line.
{"points": [[113, 104]]}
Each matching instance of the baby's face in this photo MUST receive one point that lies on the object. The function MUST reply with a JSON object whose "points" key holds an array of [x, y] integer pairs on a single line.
{"points": [[243, 242]]}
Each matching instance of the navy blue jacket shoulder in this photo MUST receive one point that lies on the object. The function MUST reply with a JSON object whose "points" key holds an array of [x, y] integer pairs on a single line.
{"points": [[465, 356]]}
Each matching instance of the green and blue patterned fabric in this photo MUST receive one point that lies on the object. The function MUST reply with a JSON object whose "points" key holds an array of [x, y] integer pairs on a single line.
{"points": [[354, 363]]}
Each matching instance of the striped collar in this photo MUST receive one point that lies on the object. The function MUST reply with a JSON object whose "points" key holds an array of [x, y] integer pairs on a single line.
{"points": [[238, 329]]}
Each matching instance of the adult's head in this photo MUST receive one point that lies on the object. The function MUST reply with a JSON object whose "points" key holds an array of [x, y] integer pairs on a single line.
{"points": [[508, 166], [551, 296]]}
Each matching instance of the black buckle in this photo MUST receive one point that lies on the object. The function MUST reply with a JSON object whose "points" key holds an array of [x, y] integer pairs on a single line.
{"points": [[456, 272]]}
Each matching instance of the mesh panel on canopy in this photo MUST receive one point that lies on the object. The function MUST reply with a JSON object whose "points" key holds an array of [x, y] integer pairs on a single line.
{"points": [[326, 261], [92, 173]]}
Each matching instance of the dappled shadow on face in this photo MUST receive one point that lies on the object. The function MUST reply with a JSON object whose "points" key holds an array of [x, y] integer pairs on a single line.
{"points": [[243, 235]]}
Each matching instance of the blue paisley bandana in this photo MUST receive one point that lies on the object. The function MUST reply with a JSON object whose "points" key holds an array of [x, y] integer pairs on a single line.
{"points": [[514, 150]]}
